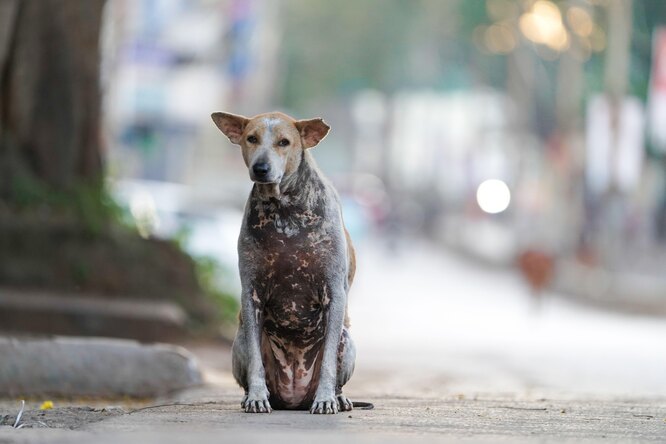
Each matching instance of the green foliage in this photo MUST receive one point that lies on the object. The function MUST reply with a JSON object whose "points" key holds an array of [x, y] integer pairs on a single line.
{"points": [[648, 14], [332, 49], [182, 236], [211, 275], [92, 208], [472, 14], [88, 203]]}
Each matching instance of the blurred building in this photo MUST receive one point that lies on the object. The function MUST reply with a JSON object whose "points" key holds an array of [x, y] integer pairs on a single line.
{"points": [[169, 64]]}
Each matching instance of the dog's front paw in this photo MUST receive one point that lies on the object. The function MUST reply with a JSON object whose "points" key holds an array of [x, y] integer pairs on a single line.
{"points": [[325, 404], [256, 402]]}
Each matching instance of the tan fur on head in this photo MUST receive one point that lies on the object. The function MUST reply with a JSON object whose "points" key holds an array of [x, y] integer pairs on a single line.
{"points": [[311, 131], [274, 140]]}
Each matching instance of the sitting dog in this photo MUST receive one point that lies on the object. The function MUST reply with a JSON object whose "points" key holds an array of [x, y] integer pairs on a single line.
{"points": [[296, 260]]}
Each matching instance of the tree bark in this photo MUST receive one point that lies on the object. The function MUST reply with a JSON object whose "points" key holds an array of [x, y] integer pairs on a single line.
{"points": [[49, 94]]}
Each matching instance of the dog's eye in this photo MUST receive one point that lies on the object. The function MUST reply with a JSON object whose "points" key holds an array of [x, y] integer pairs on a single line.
{"points": [[283, 142], [252, 139]]}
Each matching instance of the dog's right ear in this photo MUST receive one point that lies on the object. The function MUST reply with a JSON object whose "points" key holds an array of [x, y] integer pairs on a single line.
{"points": [[231, 125]]}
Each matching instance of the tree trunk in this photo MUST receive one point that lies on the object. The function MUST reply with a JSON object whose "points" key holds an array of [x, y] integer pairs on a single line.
{"points": [[58, 230], [49, 95]]}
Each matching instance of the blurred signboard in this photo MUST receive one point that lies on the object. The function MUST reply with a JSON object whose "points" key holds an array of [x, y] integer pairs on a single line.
{"points": [[657, 97]]}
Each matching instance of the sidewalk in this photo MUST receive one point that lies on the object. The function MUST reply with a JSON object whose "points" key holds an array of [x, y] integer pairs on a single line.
{"points": [[446, 351], [212, 414]]}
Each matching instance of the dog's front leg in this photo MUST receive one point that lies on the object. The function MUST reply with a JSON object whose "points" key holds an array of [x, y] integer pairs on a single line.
{"points": [[325, 400], [247, 353]]}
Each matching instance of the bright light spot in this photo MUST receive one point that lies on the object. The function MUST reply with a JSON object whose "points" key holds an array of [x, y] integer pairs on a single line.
{"points": [[142, 208], [493, 196], [546, 9], [543, 25]]}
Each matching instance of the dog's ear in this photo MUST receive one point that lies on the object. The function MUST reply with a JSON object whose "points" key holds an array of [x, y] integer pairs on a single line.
{"points": [[312, 131], [231, 125]]}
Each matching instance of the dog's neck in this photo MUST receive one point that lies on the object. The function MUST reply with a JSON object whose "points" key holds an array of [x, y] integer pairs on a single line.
{"points": [[297, 189]]}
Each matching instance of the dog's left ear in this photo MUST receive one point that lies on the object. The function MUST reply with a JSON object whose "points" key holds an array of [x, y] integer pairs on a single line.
{"points": [[312, 131]]}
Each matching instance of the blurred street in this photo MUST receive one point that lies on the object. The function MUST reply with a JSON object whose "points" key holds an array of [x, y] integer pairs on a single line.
{"points": [[464, 328]]}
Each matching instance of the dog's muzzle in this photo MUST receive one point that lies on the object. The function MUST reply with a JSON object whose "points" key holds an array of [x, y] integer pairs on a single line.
{"points": [[261, 172]]}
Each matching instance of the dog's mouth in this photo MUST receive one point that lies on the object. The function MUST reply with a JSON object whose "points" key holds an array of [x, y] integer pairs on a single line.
{"points": [[267, 181], [267, 187]]}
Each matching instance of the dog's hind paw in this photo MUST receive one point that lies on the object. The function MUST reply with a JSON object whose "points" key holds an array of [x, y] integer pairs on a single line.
{"points": [[344, 403], [256, 404], [325, 405]]}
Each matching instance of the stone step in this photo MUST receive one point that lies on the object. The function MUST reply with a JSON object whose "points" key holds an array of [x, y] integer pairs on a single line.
{"points": [[60, 314]]}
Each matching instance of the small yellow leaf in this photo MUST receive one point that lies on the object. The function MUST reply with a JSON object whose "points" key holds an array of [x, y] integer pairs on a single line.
{"points": [[46, 405]]}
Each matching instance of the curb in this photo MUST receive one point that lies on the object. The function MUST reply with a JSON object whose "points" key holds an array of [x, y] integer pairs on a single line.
{"points": [[95, 367]]}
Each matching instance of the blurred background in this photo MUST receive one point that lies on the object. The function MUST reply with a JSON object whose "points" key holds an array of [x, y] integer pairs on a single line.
{"points": [[502, 166]]}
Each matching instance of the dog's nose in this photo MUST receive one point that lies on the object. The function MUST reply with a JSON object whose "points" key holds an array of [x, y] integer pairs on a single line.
{"points": [[261, 169]]}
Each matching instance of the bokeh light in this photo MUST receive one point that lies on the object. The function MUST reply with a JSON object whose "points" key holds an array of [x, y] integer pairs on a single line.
{"points": [[580, 21], [493, 196], [499, 38], [543, 24]]}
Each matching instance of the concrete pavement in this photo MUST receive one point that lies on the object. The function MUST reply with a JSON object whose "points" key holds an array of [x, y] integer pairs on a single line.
{"points": [[211, 413], [447, 352]]}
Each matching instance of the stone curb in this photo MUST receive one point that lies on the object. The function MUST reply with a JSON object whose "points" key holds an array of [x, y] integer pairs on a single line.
{"points": [[95, 367]]}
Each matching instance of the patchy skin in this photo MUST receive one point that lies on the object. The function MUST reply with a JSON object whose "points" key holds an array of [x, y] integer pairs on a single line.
{"points": [[293, 349]]}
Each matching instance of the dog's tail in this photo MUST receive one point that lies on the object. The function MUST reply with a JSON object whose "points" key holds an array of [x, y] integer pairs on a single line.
{"points": [[363, 405]]}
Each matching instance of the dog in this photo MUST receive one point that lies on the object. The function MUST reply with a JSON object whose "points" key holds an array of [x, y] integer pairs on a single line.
{"points": [[292, 349]]}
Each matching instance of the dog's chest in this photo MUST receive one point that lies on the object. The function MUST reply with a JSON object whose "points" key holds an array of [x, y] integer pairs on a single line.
{"points": [[292, 253]]}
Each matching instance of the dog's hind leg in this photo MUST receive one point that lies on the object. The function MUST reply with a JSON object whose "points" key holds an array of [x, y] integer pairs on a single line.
{"points": [[239, 360], [346, 362]]}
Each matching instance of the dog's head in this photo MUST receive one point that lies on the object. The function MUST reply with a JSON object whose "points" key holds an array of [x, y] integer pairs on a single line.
{"points": [[272, 144]]}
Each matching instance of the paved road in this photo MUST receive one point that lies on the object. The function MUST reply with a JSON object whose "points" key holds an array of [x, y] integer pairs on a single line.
{"points": [[432, 314], [447, 352]]}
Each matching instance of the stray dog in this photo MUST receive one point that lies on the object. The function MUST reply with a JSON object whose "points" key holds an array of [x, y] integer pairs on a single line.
{"points": [[296, 260]]}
